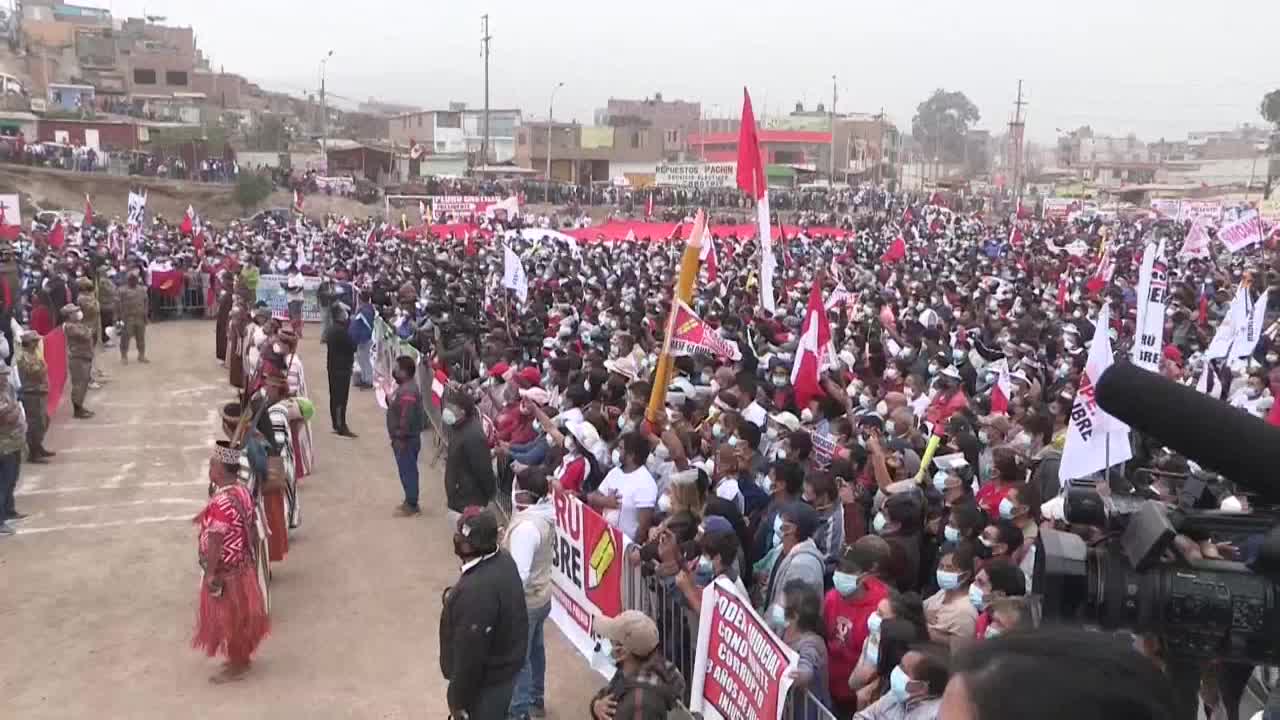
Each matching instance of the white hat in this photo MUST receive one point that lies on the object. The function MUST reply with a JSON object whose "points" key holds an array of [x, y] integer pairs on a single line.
{"points": [[951, 372], [624, 366], [786, 420]]}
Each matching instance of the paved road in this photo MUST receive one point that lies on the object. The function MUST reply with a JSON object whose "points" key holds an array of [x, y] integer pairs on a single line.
{"points": [[98, 589]]}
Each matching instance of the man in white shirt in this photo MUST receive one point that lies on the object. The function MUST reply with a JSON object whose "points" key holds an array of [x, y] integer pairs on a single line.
{"points": [[628, 493], [293, 292], [530, 540]]}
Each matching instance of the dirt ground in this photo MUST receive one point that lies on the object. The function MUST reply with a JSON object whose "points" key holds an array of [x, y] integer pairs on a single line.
{"points": [[65, 190], [99, 586]]}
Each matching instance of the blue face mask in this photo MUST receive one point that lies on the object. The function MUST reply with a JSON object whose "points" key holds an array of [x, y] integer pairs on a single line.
{"points": [[733, 441], [873, 623], [777, 618], [898, 681], [704, 566], [1006, 509], [951, 534], [845, 583], [991, 631], [872, 652], [878, 525], [948, 580], [977, 597], [777, 529]]}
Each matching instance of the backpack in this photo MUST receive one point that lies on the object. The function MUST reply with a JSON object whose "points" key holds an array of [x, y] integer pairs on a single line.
{"points": [[595, 476]]}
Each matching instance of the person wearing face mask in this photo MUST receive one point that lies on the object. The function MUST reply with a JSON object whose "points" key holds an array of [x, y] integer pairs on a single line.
{"points": [[1251, 395], [1009, 614], [533, 452], [530, 540], [803, 634], [948, 612], [628, 495], [132, 302], [798, 559], [645, 685], [916, 686], [858, 590], [1007, 471], [468, 473], [995, 580], [79, 357], [899, 523], [1022, 508], [897, 624], [484, 625], [751, 410], [820, 494], [950, 398]]}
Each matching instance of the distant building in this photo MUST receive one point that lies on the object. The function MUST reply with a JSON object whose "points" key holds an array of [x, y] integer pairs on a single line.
{"points": [[458, 130], [373, 106], [676, 120]]}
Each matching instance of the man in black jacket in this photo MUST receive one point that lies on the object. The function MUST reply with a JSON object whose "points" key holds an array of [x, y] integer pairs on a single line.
{"points": [[468, 469], [484, 625], [340, 357]]}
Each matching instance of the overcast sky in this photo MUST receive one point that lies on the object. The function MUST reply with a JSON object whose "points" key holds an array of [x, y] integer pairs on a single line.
{"points": [[1155, 69]]}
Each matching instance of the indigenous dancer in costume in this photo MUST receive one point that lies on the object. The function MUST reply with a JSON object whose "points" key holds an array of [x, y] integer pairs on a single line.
{"points": [[280, 490], [239, 321], [303, 449], [232, 619]]}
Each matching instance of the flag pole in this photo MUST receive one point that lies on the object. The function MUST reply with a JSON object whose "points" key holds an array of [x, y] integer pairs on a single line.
{"points": [[683, 292]]}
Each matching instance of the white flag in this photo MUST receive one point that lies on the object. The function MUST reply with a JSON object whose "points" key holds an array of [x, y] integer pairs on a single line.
{"points": [[1095, 440], [1251, 332], [767, 260], [1153, 283], [1197, 243], [513, 276]]}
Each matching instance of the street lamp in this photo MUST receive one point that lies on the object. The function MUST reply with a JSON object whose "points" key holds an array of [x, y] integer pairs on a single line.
{"points": [[324, 115], [551, 114]]}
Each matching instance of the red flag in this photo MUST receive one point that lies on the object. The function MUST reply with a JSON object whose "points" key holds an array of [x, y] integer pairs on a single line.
{"points": [[906, 216], [1015, 237], [897, 251], [815, 340], [58, 235], [471, 244], [751, 177], [1062, 294], [297, 201], [88, 212], [648, 206], [708, 257], [1000, 394], [198, 241], [188, 222]]}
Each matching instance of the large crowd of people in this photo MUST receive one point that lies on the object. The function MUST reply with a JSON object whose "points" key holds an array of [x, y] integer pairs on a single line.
{"points": [[887, 527]]}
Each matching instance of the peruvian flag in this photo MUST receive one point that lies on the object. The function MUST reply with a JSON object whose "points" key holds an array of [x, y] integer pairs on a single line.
{"points": [[1062, 293], [188, 222], [1001, 393], [1015, 237], [648, 206], [906, 216], [88, 213], [1021, 212], [897, 251], [752, 181], [297, 200], [439, 381], [707, 256], [8, 230], [1102, 275], [815, 342], [58, 235]]}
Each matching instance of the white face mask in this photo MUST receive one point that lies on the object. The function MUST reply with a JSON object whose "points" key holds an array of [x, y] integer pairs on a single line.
{"points": [[277, 348], [449, 416]]}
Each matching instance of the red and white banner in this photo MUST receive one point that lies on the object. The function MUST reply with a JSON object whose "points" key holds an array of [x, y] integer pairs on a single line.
{"points": [[1057, 208], [742, 670], [464, 204], [586, 575], [1242, 233], [1197, 243], [691, 335], [1166, 207]]}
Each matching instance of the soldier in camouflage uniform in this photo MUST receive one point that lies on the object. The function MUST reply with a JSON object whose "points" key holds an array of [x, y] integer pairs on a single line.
{"points": [[133, 310], [87, 299], [79, 357], [106, 303], [34, 375]]}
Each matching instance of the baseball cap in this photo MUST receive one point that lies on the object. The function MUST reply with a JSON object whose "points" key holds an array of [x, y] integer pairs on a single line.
{"points": [[529, 376], [499, 370], [631, 630]]}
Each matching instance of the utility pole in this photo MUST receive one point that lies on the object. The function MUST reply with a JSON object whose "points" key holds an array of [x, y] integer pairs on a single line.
{"points": [[834, 97], [485, 37], [1015, 137], [324, 115], [880, 148]]}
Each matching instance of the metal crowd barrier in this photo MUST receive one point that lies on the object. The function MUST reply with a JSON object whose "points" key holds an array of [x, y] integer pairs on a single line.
{"points": [[678, 638], [189, 303]]}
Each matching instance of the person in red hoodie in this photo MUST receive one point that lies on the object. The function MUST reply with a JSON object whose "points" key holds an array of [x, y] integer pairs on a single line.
{"points": [[41, 317], [858, 591], [950, 398], [515, 427]]}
